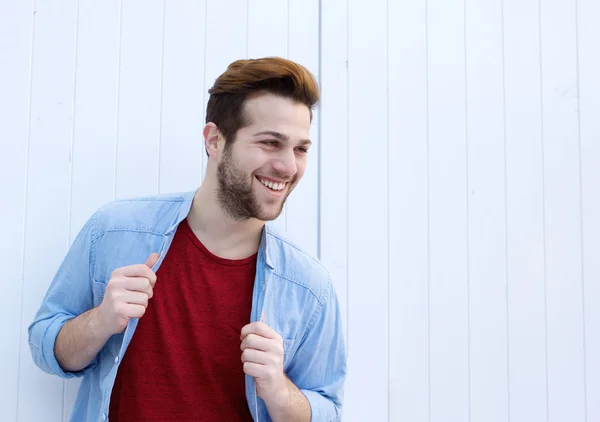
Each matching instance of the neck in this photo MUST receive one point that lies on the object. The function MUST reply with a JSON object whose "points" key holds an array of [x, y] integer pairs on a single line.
{"points": [[220, 234]]}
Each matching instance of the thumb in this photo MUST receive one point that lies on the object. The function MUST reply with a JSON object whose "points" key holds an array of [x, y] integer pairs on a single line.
{"points": [[152, 259], [262, 317]]}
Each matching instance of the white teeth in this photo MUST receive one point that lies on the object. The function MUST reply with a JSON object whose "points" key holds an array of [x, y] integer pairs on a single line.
{"points": [[271, 185]]}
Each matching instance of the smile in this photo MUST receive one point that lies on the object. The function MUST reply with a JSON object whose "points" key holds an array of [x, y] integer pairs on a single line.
{"points": [[276, 186]]}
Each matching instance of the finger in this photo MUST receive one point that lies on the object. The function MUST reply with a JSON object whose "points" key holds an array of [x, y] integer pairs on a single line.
{"points": [[137, 270], [254, 369], [255, 356], [139, 284], [256, 342], [262, 317], [260, 329], [135, 298], [152, 259], [135, 311]]}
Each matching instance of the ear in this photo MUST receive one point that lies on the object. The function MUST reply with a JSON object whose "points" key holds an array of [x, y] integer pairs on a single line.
{"points": [[212, 137]]}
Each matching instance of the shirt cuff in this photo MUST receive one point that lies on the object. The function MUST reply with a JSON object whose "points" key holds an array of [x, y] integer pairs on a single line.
{"points": [[45, 334], [321, 408]]}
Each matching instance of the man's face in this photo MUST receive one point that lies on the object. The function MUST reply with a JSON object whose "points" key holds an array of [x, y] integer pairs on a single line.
{"points": [[267, 160]]}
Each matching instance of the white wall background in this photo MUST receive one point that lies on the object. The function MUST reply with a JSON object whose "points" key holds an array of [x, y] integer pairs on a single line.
{"points": [[453, 191]]}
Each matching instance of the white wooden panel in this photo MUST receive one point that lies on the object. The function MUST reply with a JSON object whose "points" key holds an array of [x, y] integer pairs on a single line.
{"points": [[488, 356], [95, 116], [589, 109], [302, 208], [181, 146], [139, 97], [566, 397], [267, 28], [408, 213], [225, 43], [333, 178], [524, 213], [268, 35], [48, 190], [449, 334], [367, 212], [15, 63]]}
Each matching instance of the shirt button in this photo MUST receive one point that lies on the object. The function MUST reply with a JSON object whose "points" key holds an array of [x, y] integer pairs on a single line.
{"points": [[116, 359], [103, 417]]}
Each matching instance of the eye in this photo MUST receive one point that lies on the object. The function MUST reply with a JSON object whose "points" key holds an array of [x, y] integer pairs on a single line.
{"points": [[270, 143], [302, 150]]}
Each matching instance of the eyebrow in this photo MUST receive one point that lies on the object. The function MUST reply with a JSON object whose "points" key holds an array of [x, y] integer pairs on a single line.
{"points": [[281, 136]]}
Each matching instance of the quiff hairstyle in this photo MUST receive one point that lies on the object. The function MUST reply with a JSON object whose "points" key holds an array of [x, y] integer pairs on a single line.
{"points": [[247, 79]]}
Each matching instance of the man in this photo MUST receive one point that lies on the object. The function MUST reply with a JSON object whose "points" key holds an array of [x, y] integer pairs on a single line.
{"points": [[188, 307]]}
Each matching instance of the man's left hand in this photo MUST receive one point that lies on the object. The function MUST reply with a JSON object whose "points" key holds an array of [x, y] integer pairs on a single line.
{"points": [[262, 354]]}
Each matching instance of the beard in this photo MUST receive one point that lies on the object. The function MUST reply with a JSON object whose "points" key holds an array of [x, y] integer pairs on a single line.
{"points": [[236, 195]]}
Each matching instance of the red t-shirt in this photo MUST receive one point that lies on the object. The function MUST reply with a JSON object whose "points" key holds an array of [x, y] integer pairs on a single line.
{"points": [[184, 361]]}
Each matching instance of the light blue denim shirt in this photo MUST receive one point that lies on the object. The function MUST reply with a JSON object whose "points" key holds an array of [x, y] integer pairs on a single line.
{"points": [[292, 288]]}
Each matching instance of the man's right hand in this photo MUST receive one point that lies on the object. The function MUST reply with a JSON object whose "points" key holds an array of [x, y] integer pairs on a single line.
{"points": [[127, 295]]}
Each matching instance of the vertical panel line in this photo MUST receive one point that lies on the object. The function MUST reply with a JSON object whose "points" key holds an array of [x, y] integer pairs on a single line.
{"points": [[118, 110], [162, 81], [25, 201], [71, 160], [247, 25], [581, 226], [427, 122], [204, 90], [287, 29], [387, 197], [286, 209], [543, 205], [348, 175], [506, 263], [468, 263], [72, 140], [320, 132]]}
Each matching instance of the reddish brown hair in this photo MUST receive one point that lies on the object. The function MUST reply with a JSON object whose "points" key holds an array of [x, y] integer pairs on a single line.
{"points": [[246, 79]]}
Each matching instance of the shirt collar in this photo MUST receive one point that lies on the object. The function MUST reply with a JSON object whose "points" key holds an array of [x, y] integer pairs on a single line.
{"points": [[265, 249]]}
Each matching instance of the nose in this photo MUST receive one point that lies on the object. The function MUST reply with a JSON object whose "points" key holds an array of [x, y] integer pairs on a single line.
{"points": [[285, 164]]}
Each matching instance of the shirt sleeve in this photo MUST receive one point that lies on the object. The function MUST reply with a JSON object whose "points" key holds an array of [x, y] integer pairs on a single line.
{"points": [[319, 366], [69, 295]]}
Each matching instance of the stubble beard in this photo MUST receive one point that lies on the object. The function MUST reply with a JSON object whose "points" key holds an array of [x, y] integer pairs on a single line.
{"points": [[235, 194]]}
